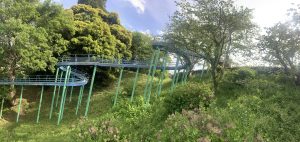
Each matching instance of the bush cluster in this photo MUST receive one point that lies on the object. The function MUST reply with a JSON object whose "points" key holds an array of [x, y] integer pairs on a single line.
{"points": [[189, 96], [239, 76]]}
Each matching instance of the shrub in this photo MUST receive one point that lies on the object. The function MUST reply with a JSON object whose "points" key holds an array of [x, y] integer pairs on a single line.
{"points": [[194, 125], [240, 118], [103, 129], [239, 76], [188, 96]]}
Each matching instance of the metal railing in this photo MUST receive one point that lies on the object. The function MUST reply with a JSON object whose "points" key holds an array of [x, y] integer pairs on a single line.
{"points": [[90, 58]]}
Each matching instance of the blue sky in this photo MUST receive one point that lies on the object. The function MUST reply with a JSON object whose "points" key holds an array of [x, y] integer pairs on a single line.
{"points": [[149, 16]]}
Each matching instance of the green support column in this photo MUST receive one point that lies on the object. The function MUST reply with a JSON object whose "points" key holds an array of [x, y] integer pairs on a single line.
{"points": [[40, 105], [174, 76], [2, 103], [20, 103], [65, 95], [62, 98], [149, 73], [54, 93], [183, 76], [202, 70], [79, 99], [90, 92], [134, 83], [71, 93], [118, 86], [162, 76], [60, 80], [186, 75], [152, 76], [177, 77]]}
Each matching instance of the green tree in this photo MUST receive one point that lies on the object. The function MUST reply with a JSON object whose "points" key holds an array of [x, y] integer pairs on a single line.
{"points": [[94, 3], [281, 45], [141, 46], [27, 36], [294, 13], [209, 27], [58, 23], [99, 33]]}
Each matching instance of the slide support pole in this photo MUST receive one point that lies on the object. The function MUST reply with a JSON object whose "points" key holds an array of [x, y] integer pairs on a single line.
{"points": [[20, 104], [40, 105], [90, 92], [118, 86], [134, 84]]}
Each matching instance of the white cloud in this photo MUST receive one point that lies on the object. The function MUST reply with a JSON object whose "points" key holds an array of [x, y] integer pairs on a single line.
{"points": [[139, 5], [148, 32], [268, 12], [159, 32]]}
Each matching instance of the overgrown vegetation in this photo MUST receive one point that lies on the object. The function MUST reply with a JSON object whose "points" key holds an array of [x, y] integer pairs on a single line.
{"points": [[223, 104], [263, 109]]}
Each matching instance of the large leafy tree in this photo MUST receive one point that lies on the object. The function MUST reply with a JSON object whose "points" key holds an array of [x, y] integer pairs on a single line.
{"points": [[99, 32], [209, 27], [141, 46], [94, 3], [280, 45], [28, 37], [58, 23]]}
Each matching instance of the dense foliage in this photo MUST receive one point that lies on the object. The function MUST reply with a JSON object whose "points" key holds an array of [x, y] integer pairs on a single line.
{"points": [[30, 36], [99, 32], [281, 45], [197, 95], [141, 46], [263, 109], [94, 3], [236, 104], [210, 28]]}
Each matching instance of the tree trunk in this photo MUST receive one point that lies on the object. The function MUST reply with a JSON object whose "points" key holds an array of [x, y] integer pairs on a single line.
{"points": [[214, 78], [12, 90]]}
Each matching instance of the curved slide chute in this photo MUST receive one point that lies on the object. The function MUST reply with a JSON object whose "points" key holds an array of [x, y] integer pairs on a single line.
{"points": [[70, 77]]}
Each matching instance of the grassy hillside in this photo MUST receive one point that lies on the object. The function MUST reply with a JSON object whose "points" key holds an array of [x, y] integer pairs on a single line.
{"points": [[47, 130], [249, 106]]}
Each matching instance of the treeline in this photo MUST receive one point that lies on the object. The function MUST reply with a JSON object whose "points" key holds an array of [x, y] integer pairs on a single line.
{"points": [[34, 34], [219, 29]]}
